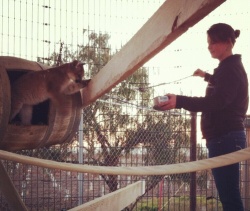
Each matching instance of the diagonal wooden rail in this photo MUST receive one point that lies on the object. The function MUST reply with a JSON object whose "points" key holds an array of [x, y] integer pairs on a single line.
{"points": [[169, 22]]}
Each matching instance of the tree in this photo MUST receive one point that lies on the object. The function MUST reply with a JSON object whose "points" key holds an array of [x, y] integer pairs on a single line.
{"points": [[108, 123]]}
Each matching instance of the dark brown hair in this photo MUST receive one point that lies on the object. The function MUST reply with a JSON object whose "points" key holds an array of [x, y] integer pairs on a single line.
{"points": [[222, 32]]}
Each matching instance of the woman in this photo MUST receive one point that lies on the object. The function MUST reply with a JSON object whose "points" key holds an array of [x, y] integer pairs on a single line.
{"points": [[223, 110]]}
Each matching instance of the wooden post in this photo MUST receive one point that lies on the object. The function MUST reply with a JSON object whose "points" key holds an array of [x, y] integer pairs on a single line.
{"points": [[9, 191]]}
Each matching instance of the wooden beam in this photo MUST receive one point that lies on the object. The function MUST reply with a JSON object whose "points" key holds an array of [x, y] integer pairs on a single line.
{"points": [[177, 168], [116, 200], [9, 191], [170, 21]]}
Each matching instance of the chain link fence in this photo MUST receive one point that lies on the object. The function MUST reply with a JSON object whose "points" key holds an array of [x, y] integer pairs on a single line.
{"points": [[163, 140], [121, 128]]}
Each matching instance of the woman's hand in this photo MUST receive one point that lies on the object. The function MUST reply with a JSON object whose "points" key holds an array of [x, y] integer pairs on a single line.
{"points": [[199, 72], [170, 104]]}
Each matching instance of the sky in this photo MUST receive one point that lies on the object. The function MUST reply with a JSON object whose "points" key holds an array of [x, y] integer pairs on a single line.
{"points": [[35, 28], [189, 52]]}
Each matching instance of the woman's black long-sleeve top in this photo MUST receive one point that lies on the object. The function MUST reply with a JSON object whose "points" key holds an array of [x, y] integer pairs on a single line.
{"points": [[225, 104]]}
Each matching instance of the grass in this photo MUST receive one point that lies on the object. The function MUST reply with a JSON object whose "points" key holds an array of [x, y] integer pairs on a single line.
{"points": [[178, 203]]}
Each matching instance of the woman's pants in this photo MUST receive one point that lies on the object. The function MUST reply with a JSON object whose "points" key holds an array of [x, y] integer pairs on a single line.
{"points": [[227, 177]]}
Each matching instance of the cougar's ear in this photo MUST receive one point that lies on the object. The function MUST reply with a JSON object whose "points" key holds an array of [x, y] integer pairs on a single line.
{"points": [[80, 64], [73, 64]]}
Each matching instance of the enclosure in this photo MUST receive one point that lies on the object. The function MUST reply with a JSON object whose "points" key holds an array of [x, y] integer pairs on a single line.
{"points": [[120, 128]]}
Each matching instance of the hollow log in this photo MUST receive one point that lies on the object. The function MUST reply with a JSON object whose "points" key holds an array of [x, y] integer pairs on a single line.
{"points": [[48, 126]]}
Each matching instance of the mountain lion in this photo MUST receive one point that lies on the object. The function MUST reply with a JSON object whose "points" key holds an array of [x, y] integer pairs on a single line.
{"points": [[37, 86]]}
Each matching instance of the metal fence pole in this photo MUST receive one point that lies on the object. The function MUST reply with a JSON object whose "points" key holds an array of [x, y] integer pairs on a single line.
{"points": [[246, 170], [193, 140], [80, 159]]}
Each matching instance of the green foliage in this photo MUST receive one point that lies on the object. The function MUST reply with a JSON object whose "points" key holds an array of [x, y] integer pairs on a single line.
{"points": [[178, 203], [147, 208]]}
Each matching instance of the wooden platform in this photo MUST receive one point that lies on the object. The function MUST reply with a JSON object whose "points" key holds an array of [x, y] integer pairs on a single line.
{"points": [[117, 200]]}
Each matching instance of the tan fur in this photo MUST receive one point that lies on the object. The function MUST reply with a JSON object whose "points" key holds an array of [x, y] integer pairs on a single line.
{"points": [[35, 87]]}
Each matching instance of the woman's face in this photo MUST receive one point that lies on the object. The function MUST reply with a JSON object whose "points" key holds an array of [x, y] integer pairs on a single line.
{"points": [[219, 50]]}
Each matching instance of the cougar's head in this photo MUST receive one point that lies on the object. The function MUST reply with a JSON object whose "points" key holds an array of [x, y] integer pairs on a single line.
{"points": [[76, 71]]}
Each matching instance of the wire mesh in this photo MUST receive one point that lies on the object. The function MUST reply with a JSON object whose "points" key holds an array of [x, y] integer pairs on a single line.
{"points": [[121, 128]]}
